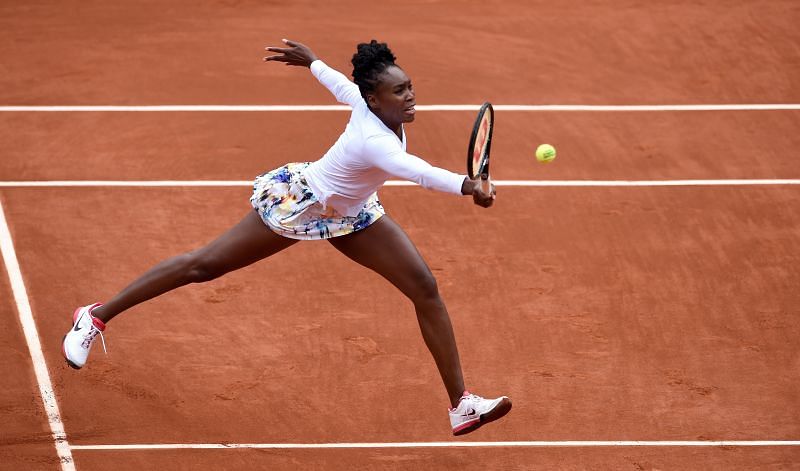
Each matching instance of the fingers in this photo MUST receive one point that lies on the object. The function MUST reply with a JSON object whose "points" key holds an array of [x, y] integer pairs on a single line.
{"points": [[277, 58], [485, 203], [291, 54], [283, 50], [482, 199]]}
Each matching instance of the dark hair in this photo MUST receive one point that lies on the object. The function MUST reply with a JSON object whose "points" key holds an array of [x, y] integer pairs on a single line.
{"points": [[369, 62]]}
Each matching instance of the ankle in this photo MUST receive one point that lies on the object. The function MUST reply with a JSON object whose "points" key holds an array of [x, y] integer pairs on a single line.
{"points": [[98, 313], [454, 400]]}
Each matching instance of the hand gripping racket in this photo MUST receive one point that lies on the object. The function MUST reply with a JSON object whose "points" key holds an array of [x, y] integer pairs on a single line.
{"points": [[480, 144]]}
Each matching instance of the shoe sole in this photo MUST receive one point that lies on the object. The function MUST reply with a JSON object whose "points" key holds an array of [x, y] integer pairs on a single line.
{"points": [[498, 412]]}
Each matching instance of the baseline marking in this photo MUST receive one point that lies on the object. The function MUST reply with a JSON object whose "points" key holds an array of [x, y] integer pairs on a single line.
{"points": [[34, 346], [542, 183], [281, 108], [540, 444]]}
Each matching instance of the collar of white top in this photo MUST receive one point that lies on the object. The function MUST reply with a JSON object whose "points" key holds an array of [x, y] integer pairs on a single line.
{"points": [[382, 124]]}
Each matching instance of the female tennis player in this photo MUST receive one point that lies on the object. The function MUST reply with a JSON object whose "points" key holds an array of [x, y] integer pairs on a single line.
{"points": [[333, 198]]}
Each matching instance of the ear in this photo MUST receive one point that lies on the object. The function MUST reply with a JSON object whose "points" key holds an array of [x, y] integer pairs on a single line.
{"points": [[372, 101]]}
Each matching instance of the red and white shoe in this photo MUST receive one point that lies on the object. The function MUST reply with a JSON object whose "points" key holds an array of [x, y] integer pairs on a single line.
{"points": [[78, 341], [473, 411]]}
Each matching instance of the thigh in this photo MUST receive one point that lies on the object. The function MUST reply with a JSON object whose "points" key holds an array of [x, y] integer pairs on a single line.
{"points": [[247, 242], [386, 249]]}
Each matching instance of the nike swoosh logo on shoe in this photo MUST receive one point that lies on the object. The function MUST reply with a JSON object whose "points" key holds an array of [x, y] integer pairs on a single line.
{"points": [[77, 323], [466, 414]]}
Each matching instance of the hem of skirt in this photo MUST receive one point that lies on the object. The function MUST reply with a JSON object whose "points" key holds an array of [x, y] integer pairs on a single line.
{"points": [[304, 236]]}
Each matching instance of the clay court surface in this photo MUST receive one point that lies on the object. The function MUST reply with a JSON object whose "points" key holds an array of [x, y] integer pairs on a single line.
{"points": [[614, 314]]}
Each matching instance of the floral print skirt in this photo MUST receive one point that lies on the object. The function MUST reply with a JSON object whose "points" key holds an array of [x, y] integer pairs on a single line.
{"points": [[287, 205]]}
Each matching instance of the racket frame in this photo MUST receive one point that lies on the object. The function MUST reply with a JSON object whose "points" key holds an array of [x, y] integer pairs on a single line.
{"points": [[483, 171]]}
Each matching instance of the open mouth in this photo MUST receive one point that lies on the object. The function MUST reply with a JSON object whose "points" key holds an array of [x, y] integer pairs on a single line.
{"points": [[410, 109]]}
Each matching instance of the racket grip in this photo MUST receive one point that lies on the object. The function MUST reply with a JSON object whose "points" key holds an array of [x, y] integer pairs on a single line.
{"points": [[486, 184]]}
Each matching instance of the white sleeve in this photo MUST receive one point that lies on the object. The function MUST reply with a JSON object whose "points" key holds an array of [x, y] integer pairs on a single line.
{"points": [[342, 88], [385, 153]]}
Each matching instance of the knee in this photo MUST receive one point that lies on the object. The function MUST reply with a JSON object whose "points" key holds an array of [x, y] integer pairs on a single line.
{"points": [[200, 267], [426, 289]]}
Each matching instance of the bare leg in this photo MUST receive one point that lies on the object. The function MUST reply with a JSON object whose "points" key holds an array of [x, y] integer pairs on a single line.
{"points": [[386, 249], [247, 242]]}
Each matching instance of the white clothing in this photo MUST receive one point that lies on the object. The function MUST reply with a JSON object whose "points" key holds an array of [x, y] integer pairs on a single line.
{"points": [[366, 155]]}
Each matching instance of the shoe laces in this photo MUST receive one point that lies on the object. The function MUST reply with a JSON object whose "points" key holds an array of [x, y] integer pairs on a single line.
{"points": [[468, 398], [472, 398], [93, 331]]}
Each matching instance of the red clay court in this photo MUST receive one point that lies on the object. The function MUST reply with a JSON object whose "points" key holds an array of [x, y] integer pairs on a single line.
{"points": [[641, 292]]}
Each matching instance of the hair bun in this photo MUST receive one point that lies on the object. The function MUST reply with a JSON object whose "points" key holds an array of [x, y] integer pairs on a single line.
{"points": [[372, 53], [370, 60]]}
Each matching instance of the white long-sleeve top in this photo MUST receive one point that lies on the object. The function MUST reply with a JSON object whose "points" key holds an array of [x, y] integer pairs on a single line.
{"points": [[366, 155]]}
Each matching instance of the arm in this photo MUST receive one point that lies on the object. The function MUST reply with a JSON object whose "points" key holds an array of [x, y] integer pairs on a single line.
{"points": [[389, 157], [342, 88], [299, 54]]}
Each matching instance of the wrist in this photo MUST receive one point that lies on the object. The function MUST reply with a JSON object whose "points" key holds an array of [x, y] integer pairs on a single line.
{"points": [[467, 186]]}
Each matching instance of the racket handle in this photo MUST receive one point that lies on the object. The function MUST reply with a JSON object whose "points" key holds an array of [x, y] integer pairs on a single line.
{"points": [[486, 184]]}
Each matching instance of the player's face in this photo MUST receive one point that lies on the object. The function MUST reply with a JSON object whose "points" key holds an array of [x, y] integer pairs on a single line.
{"points": [[394, 99]]}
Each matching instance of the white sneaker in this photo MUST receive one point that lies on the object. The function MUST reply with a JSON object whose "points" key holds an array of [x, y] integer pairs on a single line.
{"points": [[473, 411], [79, 339]]}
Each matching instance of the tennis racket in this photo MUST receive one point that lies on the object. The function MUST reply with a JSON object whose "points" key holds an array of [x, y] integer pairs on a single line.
{"points": [[480, 144]]}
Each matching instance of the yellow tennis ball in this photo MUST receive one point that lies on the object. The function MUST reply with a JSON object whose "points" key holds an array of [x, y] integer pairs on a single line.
{"points": [[545, 153]]}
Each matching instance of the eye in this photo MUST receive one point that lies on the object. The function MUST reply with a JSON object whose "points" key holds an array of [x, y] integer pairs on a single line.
{"points": [[401, 89]]}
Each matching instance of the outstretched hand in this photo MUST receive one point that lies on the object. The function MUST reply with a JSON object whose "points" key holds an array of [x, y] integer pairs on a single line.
{"points": [[295, 54]]}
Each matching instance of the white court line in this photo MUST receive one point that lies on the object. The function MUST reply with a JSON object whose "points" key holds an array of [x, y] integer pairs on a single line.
{"points": [[281, 108], [539, 444], [34, 346], [541, 183]]}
